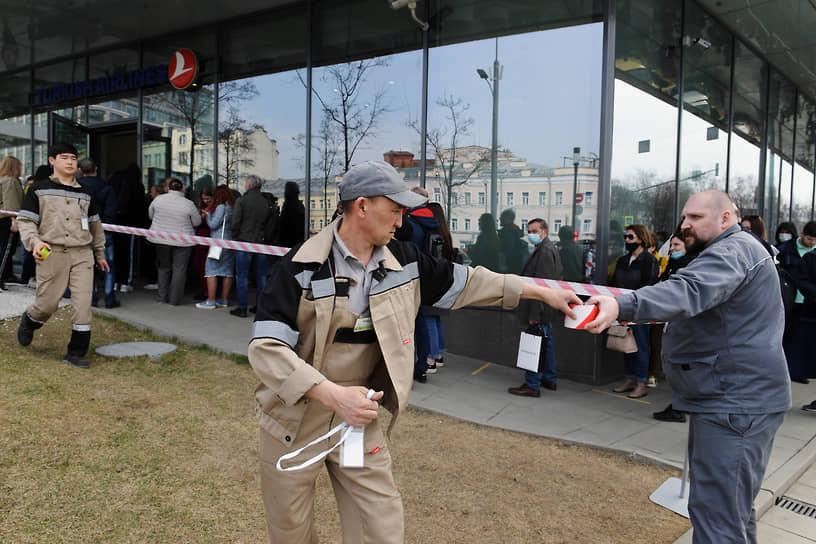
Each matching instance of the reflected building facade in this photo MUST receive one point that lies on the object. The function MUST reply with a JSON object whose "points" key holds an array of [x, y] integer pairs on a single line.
{"points": [[485, 109]]}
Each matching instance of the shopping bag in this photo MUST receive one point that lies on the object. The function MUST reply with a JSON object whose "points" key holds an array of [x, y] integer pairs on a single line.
{"points": [[529, 350]]}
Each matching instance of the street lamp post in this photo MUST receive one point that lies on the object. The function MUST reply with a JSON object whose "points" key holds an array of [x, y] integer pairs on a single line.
{"points": [[494, 153], [576, 160]]}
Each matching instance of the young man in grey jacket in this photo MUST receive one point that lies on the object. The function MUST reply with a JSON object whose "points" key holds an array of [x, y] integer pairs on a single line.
{"points": [[723, 357]]}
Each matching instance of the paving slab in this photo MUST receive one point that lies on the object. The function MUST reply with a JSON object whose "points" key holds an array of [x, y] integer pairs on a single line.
{"points": [[790, 522]]}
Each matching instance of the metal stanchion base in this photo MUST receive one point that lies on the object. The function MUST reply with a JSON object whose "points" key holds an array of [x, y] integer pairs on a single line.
{"points": [[668, 495]]}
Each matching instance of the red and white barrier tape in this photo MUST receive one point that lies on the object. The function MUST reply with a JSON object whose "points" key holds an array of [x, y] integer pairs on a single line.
{"points": [[191, 239], [586, 289]]}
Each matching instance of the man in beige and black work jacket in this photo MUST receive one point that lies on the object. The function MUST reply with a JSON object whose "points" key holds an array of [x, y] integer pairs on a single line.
{"points": [[334, 336], [59, 224]]}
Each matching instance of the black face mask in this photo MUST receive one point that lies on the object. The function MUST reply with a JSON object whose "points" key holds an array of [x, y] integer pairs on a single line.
{"points": [[631, 247]]}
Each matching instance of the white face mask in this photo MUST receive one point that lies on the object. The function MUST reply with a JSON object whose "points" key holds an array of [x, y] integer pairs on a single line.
{"points": [[785, 236]]}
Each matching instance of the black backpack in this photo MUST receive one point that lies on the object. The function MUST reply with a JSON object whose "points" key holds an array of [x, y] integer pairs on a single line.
{"points": [[434, 243], [788, 287]]}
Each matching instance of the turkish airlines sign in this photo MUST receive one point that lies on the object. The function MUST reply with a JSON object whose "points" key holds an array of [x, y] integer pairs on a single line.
{"points": [[183, 69]]}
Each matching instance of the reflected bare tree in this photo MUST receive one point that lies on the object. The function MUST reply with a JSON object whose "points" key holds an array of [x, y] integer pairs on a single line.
{"points": [[445, 142], [351, 108]]}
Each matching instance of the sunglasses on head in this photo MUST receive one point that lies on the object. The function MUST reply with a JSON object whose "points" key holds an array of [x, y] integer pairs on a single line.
{"points": [[630, 237]]}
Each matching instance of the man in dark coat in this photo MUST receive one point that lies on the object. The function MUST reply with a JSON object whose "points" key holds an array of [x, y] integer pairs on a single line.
{"points": [[544, 262], [248, 221], [106, 204], [291, 230], [572, 256]]}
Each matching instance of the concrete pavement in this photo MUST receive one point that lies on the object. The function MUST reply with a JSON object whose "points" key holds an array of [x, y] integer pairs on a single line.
{"points": [[476, 391]]}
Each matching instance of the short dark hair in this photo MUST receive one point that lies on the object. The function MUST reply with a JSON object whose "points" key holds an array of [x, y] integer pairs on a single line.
{"points": [[61, 147], [541, 223], [809, 229], [87, 166], [175, 184]]}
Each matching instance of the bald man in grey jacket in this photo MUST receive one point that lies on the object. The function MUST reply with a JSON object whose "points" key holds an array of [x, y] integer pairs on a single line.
{"points": [[723, 357]]}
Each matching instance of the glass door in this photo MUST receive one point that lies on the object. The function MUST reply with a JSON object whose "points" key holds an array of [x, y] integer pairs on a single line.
{"points": [[63, 130], [156, 155]]}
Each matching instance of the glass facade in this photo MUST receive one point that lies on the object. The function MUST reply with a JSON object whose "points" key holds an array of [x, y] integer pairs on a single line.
{"points": [[496, 110]]}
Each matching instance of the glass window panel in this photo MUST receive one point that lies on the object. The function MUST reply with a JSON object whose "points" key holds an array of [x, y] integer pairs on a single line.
{"points": [[462, 82], [365, 110], [186, 116], [743, 182], [781, 111], [51, 87], [707, 76], [266, 138], [803, 166], [644, 139], [361, 29], [15, 141], [272, 42], [14, 93]]}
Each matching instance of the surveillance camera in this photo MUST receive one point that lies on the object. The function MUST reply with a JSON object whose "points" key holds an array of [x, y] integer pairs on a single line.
{"points": [[699, 42], [397, 4]]}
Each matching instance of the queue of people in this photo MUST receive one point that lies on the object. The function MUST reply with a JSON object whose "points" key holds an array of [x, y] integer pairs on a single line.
{"points": [[360, 348]]}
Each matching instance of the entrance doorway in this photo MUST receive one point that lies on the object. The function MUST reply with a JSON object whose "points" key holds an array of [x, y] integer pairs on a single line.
{"points": [[114, 145]]}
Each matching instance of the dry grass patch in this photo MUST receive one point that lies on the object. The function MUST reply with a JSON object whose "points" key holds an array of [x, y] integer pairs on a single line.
{"points": [[134, 450]]}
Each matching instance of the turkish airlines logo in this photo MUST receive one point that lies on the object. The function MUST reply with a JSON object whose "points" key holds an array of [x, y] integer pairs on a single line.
{"points": [[183, 69]]}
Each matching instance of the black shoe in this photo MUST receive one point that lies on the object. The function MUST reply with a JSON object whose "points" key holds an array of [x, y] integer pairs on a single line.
{"points": [[76, 360], [239, 312], [810, 407], [421, 378], [549, 385], [114, 304], [801, 380], [253, 310], [25, 331], [524, 390], [671, 415]]}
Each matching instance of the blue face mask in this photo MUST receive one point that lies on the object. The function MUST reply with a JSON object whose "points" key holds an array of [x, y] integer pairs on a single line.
{"points": [[676, 254], [534, 238]]}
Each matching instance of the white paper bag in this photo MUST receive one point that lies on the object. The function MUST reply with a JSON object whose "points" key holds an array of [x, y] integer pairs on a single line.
{"points": [[529, 351]]}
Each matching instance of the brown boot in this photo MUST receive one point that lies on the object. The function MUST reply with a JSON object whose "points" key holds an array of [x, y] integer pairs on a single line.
{"points": [[640, 391], [628, 385]]}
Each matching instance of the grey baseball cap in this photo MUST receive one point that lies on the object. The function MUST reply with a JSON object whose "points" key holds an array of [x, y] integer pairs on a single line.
{"points": [[378, 178]]}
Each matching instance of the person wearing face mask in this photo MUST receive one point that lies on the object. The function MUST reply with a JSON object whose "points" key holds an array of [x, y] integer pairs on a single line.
{"points": [[543, 262], [797, 337], [637, 268], [785, 232]]}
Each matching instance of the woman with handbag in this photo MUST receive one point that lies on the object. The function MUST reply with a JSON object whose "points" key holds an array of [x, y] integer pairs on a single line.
{"points": [[220, 261], [636, 269]]}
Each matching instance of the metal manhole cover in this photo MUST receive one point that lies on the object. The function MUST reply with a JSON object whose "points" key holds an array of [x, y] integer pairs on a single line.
{"points": [[154, 350]]}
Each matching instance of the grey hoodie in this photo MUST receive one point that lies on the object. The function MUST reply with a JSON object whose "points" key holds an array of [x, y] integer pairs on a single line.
{"points": [[722, 349]]}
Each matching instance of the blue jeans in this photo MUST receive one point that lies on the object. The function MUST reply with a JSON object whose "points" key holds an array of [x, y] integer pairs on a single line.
{"points": [[636, 365], [429, 339], [243, 261], [110, 277], [547, 361]]}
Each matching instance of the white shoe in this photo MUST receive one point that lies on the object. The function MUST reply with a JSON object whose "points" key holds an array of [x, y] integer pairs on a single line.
{"points": [[652, 382], [32, 283], [126, 288], [151, 286]]}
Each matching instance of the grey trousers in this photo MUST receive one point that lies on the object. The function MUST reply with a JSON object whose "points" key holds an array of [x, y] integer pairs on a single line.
{"points": [[171, 262], [728, 456]]}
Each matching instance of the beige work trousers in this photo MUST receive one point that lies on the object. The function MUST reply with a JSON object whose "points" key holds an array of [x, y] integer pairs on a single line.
{"points": [[367, 498], [65, 267]]}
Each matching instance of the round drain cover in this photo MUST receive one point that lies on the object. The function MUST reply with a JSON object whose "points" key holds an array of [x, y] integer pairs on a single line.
{"points": [[154, 350]]}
